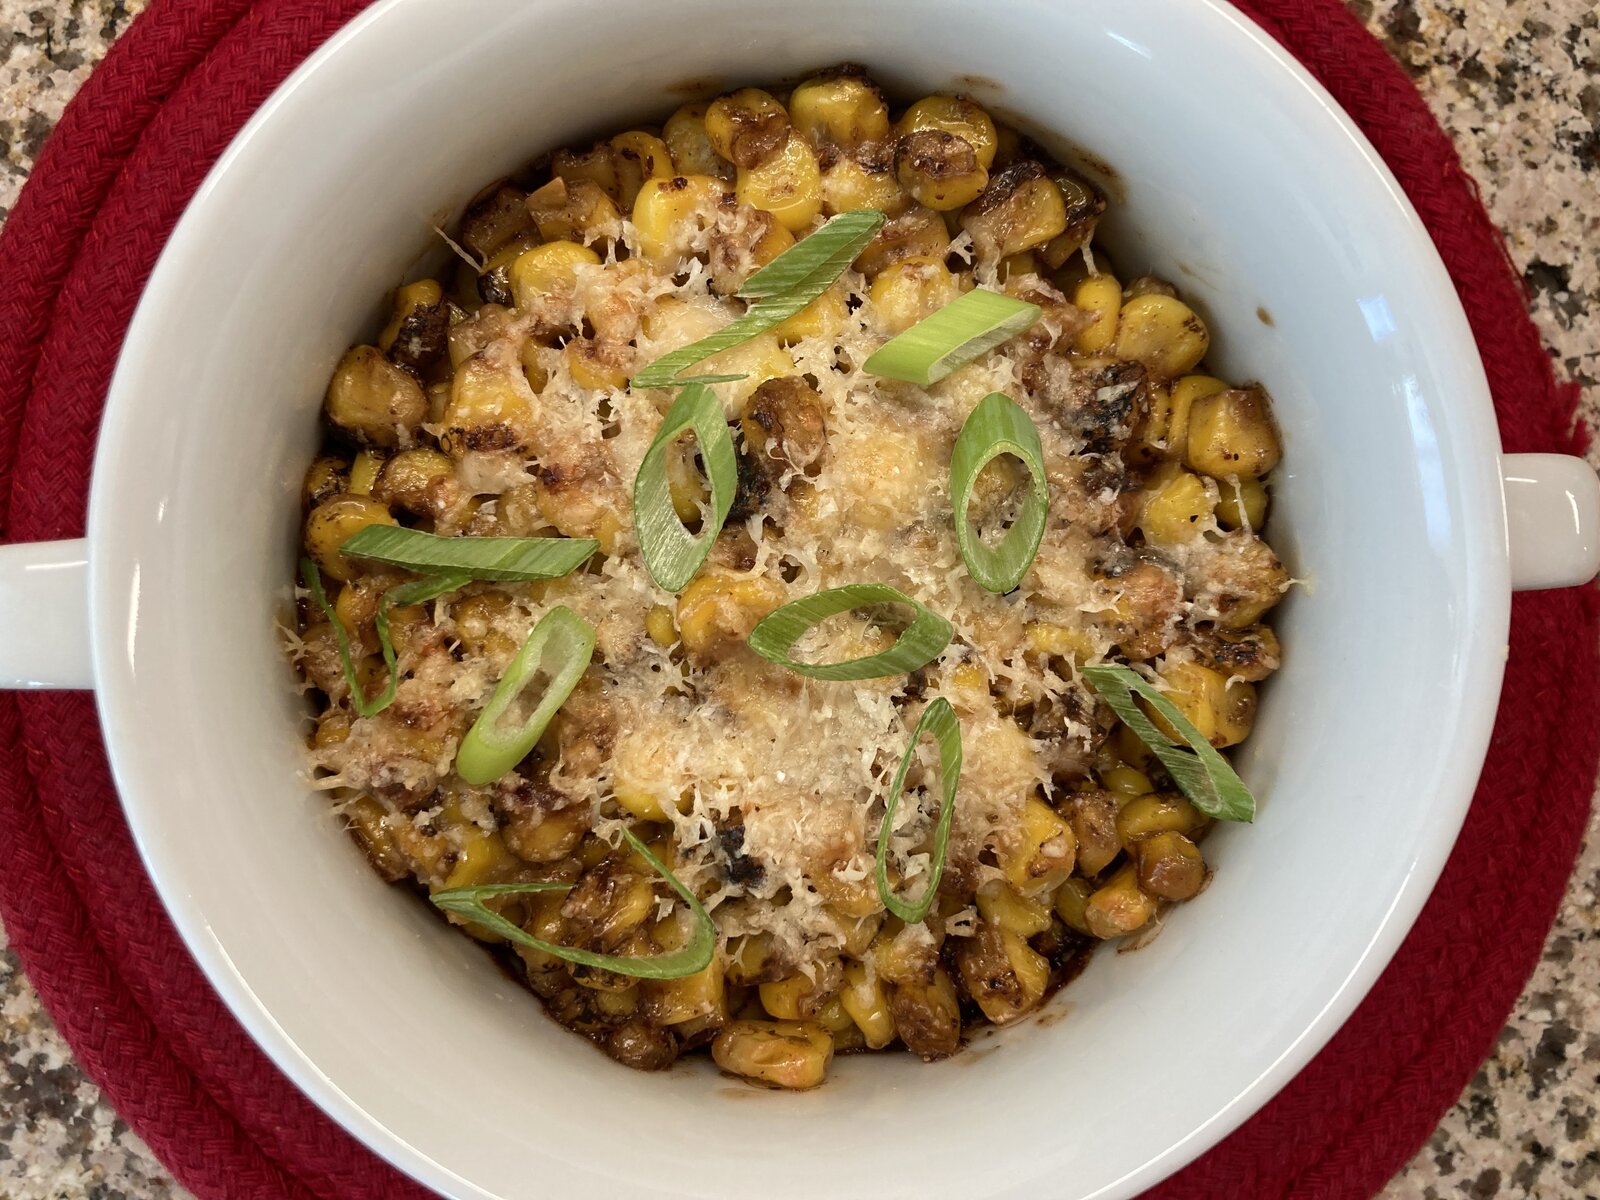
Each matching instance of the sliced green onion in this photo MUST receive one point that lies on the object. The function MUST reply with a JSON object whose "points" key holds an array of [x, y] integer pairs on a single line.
{"points": [[999, 426], [414, 592], [1203, 775], [918, 644], [952, 337], [560, 647], [692, 958], [939, 719], [670, 551], [777, 291], [508, 559]]}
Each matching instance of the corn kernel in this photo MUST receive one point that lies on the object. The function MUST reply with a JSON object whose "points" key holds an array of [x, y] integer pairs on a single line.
{"points": [[787, 184], [1177, 506], [1232, 433], [951, 114], [1163, 333], [867, 1004], [668, 211], [639, 156], [658, 624], [1101, 296], [1243, 504], [910, 290]]}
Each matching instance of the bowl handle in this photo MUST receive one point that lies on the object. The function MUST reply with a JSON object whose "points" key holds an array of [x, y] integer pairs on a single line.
{"points": [[44, 611], [1552, 520]]}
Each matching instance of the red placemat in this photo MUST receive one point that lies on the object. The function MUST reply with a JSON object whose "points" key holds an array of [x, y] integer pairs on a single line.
{"points": [[91, 934]]}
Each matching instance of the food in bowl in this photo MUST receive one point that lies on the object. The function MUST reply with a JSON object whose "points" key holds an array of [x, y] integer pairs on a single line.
{"points": [[791, 592]]}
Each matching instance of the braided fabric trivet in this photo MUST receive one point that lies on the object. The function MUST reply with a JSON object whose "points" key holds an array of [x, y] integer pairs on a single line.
{"points": [[79, 245]]}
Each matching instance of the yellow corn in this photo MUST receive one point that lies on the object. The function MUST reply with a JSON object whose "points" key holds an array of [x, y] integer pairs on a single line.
{"points": [[1222, 711], [1243, 503], [746, 127], [951, 114], [658, 624], [549, 269], [639, 156], [910, 290], [1177, 506], [692, 152], [424, 293], [334, 522], [1101, 296], [1045, 851], [867, 1004], [787, 184], [1003, 908], [666, 210], [823, 317], [1163, 333], [785, 1054], [1126, 781], [846, 111], [1232, 434], [715, 608]]}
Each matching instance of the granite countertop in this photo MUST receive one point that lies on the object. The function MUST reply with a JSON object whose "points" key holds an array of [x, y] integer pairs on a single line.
{"points": [[1517, 84]]}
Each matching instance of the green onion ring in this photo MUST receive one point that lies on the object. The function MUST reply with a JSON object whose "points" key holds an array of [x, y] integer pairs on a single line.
{"points": [[677, 964], [939, 719], [999, 426], [1200, 772], [918, 644], [670, 551]]}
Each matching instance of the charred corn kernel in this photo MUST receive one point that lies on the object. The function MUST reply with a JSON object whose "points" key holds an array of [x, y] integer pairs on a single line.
{"points": [[1072, 903], [1126, 781], [667, 212], [939, 170], [1119, 907], [902, 955], [415, 480], [355, 607], [333, 729], [823, 317], [369, 826], [544, 921], [927, 1015], [1163, 431], [917, 232], [674, 1001], [848, 185], [1131, 749], [549, 837], [758, 359], [1093, 814], [784, 1054], [364, 473], [833, 1017], [718, 608], [482, 858], [658, 624], [1170, 866], [1003, 908], [867, 1004], [373, 400], [639, 156], [1045, 851], [844, 111], [1163, 333], [480, 625], [550, 269], [787, 184], [1177, 506], [1020, 208], [951, 114], [855, 898], [491, 407], [910, 290], [597, 164], [333, 523], [594, 366], [575, 211], [326, 476], [491, 323], [1232, 433], [1223, 712], [1002, 973], [858, 934], [617, 1005], [641, 777], [1145, 816], [1048, 639], [494, 282], [687, 142], [424, 293], [752, 959], [747, 127], [1243, 503], [1101, 297], [791, 999]]}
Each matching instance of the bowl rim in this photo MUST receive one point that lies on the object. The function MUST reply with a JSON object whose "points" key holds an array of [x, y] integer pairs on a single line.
{"points": [[113, 610]]}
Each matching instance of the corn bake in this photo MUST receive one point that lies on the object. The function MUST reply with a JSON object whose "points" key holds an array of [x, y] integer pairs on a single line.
{"points": [[688, 775]]}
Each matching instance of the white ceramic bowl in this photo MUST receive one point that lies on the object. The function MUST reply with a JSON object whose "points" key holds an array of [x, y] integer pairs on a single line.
{"points": [[1241, 181]]}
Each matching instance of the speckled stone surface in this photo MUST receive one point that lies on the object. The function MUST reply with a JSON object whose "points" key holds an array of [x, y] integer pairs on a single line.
{"points": [[1517, 84]]}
